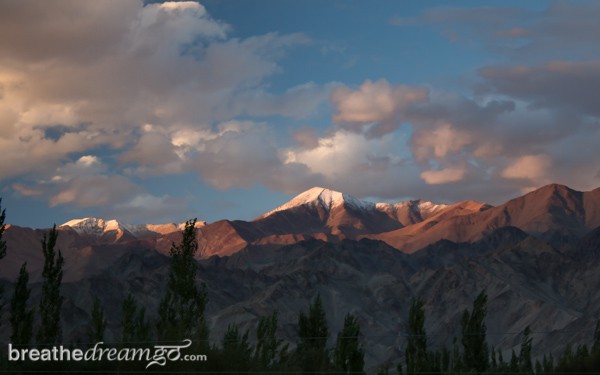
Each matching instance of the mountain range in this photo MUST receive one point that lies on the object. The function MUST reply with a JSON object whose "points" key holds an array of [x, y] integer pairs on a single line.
{"points": [[536, 256]]}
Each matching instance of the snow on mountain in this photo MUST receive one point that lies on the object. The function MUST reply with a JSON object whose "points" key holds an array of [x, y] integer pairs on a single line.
{"points": [[329, 199], [91, 226], [149, 230], [419, 206], [94, 226]]}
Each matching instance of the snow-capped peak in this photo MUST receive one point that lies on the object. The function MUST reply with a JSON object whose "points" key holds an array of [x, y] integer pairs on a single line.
{"points": [[326, 198], [93, 226]]}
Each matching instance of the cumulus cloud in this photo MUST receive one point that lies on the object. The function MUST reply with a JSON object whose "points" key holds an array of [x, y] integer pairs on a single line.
{"points": [[531, 167], [375, 102], [440, 142], [143, 82], [443, 176]]}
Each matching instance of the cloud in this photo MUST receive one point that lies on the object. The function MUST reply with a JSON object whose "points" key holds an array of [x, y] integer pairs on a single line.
{"points": [[559, 85], [94, 191], [533, 167], [375, 102], [440, 142], [518, 33], [443, 176]]}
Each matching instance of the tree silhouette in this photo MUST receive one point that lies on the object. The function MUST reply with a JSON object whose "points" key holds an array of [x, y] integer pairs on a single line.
{"points": [[348, 353], [313, 332], [21, 317], [416, 348], [473, 332], [181, 311], [51, 301]]}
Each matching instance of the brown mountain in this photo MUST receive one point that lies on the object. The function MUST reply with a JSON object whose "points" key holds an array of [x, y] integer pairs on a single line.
{"points": [[316, 213], [553, 212]]}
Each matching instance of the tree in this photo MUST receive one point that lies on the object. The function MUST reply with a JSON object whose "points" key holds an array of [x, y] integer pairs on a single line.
{"points": [[134, 326], [269, 349], [2, 249], [525, 354], [349, 355], [181, 311], [313, 332], [98, 326], [51, 301], [416, 349], [473, 332], [21, 317], [236, 350]]}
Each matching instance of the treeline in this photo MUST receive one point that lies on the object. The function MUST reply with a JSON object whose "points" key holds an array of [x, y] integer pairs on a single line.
{"points": [[181, 315], [474, 356]]}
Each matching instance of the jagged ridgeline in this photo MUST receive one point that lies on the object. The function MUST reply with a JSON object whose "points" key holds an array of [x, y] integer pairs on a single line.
{"points": [[362, 274]]}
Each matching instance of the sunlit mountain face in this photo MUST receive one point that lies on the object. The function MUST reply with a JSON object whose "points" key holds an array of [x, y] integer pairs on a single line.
{"points": [[535, 255], [367, 152]]}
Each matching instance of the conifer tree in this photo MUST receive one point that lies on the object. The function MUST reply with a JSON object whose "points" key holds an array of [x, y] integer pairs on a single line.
{"points": [[473, 331], [349, 353], [313, 332], [181, 311], [416, 349], [98, 325], [269, 349], [51, 301], [21, 317]]}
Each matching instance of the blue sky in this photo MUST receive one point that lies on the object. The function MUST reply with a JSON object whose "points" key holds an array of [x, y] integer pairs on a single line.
{"points": [[152, 112]]}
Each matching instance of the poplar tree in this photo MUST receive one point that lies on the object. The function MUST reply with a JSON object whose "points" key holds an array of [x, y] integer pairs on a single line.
{"points": [[21, 317], [473, 332], [2, 250], [98, 326], [236, 350], [51, 301], [269, 349], [313, 332], [349, 353], [416, 349], [181, 311], [134, 326], [525, 353]]}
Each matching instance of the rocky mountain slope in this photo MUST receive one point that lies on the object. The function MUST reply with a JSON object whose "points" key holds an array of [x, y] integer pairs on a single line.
{"points": [[537, 256]]}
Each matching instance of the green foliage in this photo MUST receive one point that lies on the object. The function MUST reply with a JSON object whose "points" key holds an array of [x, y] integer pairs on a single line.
{"points": [[416, 349], [181, 311], [51, 301], [237, 351], [135, 329], [21, 317], [98, 326], [270, 351], [473, 332], [349, 353], [596, 343], [313, 332], [525, 364]]}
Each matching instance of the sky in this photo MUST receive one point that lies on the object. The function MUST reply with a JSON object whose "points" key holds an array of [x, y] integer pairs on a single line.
{"points": [[153, 112]]}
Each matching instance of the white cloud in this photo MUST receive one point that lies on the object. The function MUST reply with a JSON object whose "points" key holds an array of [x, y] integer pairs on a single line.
{"points": [[375, 102]]}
